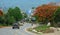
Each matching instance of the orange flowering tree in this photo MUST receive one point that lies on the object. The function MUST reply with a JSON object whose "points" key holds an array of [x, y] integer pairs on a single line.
{"points": [[45, 12], [1, 13]]}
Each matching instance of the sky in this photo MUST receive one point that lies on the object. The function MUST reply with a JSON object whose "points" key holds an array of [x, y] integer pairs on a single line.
{"points": [[24, 5]]}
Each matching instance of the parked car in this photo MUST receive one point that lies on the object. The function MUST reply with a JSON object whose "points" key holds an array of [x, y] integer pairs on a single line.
{"points": [[15, 25]]}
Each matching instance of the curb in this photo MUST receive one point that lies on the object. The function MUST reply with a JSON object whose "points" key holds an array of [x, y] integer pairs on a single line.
{"points": [[30, 32]]}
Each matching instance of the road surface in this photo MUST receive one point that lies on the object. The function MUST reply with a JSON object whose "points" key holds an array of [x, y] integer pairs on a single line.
{"points": [[21, 31]]}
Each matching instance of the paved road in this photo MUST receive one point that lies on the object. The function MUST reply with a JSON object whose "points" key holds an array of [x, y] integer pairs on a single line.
{"points": [[21, 31]]}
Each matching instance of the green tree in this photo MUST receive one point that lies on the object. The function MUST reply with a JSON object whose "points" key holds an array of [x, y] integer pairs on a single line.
{"points": [[1, 19], [10, 12], [57, 15], [16, 13], [10, 20]]}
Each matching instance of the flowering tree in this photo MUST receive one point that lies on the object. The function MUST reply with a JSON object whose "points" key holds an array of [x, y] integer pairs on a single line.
{"points": [[45, 12], [1, 13]]}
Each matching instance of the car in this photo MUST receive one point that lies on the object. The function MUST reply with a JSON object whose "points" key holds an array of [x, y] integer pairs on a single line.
{"points": [[15, 25]]}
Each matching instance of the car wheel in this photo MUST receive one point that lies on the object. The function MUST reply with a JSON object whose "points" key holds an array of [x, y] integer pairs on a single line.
{"points": [[12, 27]]}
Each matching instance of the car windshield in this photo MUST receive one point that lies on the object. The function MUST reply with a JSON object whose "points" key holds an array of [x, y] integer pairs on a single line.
{"points": [[15, 24]]}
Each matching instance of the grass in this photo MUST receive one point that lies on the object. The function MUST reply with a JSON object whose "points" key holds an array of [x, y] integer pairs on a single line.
{"points": [[41, 28]]}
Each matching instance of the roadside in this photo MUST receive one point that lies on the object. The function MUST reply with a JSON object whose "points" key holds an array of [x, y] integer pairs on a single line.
{"points": [[29, 31], [4, 26], [56, 31], [26, 29]]}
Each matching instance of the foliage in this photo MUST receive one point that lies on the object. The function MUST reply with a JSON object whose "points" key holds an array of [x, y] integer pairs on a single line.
{"points": [[16, 13], [57, 15], [45, 13], [1, 13], [10, 20], [1, 19], [13, 15]]}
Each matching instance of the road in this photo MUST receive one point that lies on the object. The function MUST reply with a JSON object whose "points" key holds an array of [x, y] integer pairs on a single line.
{"points": [[21, 31]]}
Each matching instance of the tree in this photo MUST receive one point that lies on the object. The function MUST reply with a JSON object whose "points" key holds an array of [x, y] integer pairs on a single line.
{"points": [[57, 15], [1, 19], [45, 13], [13, 15], [10, 20], [16, 12], [1, 13], [10, 12]]}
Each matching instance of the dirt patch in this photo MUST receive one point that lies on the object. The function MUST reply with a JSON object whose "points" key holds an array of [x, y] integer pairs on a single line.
{"points": [[4, 26], [48, 31]]}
